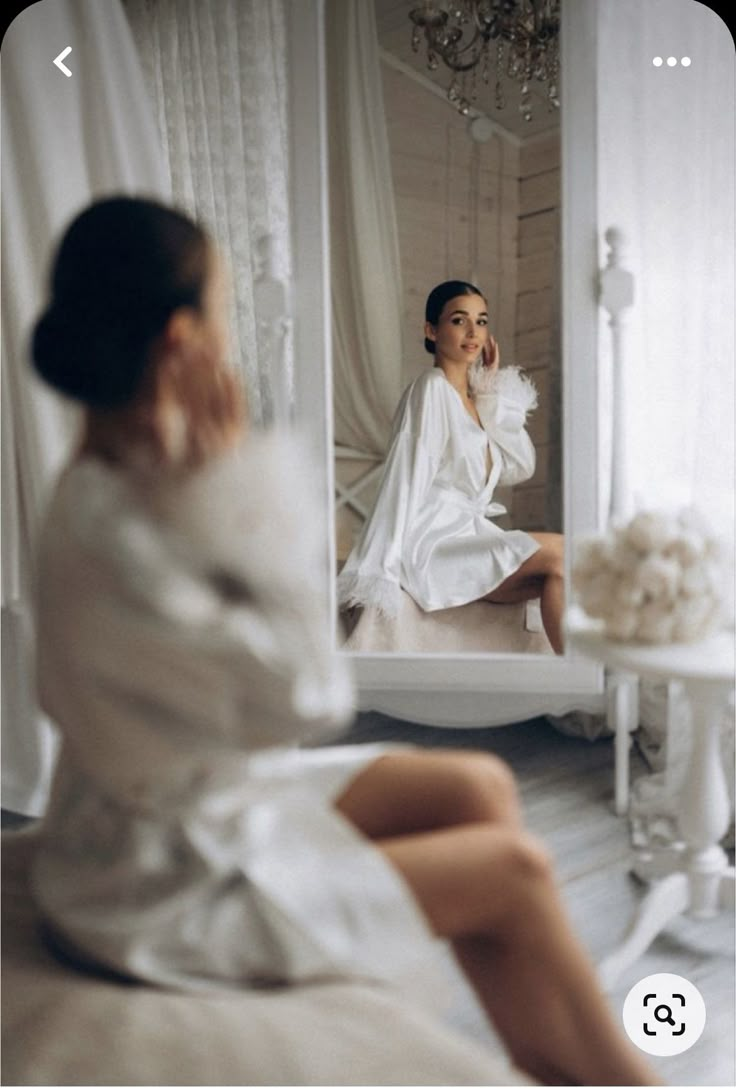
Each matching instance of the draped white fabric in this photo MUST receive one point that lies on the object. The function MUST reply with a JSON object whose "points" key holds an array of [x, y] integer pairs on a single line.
{"points": [[64, 140], [364, 251], [665, 163], [666, 179], [217, 75]]}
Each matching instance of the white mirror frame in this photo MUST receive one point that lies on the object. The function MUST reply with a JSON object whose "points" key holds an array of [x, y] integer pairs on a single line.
{"points": [[438, 689]]}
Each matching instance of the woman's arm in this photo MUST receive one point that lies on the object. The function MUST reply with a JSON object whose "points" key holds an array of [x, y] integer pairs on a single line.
{"points": [[228, 569], [373, 572], [252, 523], [503, 398]]}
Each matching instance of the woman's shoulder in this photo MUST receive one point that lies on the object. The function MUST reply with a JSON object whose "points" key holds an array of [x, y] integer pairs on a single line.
{"points": [[88, 495], [257, 506], [253, 510], [431, 385], [266, 473], [97, 515], [251, 473], [430, 379], [425, 407]]}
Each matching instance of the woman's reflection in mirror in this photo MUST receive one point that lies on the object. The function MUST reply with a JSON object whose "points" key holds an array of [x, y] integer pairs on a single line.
{"points": [[458, 434]]}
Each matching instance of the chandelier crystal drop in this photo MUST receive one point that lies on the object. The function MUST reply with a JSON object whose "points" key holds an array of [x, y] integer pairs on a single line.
{"points": [[518, 39]]}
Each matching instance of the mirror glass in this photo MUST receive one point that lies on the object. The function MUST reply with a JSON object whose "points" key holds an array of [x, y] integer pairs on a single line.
{"points": [[474, 196]]}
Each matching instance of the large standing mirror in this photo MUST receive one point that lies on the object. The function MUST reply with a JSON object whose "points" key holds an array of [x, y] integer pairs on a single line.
{"points": [[512, 207]]}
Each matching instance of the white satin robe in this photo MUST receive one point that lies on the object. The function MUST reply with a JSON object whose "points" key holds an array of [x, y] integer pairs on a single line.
{"points": [[430, 532], [184, 653]]}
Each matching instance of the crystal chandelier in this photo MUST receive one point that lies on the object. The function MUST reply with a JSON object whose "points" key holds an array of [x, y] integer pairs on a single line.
{"points": [[514, 38]]}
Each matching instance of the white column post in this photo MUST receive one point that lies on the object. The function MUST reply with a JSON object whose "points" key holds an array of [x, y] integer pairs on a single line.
{"points": [[616, 296]]}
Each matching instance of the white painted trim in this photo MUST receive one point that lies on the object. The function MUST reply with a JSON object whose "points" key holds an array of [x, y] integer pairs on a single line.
{"points": [[309, 208], [463, 709]]}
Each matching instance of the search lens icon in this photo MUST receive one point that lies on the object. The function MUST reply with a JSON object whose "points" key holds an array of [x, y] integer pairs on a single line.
{"points": [[664, 1014]]}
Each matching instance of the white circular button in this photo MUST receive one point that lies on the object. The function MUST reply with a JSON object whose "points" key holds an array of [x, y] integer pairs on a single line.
{"points": [[664, 1014]]}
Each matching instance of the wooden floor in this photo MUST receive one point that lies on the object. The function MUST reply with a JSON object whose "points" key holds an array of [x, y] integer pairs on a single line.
{"points": [[567, 789]]}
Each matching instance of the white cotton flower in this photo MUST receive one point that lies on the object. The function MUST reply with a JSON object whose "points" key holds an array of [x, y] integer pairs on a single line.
{"points": [[696, 580], [584, 578], [655, 623], [686, 548], [598, 594], [629, 592], [624, 557], [661, 578], [596, 604], [592, 554], [621, 624], [649, 530], [694, 618], [658, 577]]}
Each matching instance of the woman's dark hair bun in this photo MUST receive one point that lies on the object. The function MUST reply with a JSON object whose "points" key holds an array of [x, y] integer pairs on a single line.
{"points": [[123, 267], [90, 364], [438, 297]]}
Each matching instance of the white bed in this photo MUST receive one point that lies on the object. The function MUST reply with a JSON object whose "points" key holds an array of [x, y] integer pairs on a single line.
{"points": [[65, 1026]]}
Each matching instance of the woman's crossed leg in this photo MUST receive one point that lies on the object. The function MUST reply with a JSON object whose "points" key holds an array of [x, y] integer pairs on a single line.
{"points": [[450, 824], [542, 576]]}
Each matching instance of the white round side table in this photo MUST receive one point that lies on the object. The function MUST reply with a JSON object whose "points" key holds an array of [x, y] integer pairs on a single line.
{"points": [[705, 884]]}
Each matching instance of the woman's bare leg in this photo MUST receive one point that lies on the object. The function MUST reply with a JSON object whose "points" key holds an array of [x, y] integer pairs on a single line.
{"points": [[542, 575], [486, 885], [422, 790], [491, 892]]}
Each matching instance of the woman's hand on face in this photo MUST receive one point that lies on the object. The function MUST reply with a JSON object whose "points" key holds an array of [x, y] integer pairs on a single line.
{"points": [[491, 354]]}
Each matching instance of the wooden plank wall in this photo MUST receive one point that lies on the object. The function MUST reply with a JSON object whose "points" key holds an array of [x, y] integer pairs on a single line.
{"points": [[457, 207], [537, 503]]}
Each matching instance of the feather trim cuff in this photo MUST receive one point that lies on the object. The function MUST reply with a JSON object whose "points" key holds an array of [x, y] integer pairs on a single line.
{"points": [[509, 383], [359, 591]]}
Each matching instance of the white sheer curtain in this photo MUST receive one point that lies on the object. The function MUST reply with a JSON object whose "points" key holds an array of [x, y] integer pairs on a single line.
{"points": [[666, 179], [64, 140], [364, 251], [217, 75]]}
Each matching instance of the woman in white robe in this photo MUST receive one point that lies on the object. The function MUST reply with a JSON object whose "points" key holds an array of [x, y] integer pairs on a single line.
{"points": [[184, 654], [458, 434]]}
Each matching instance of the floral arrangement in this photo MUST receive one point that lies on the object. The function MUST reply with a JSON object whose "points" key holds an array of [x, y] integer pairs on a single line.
{"points": [[660, 578]]}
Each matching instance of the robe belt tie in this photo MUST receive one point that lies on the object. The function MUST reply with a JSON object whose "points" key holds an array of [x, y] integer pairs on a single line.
{"points": [[466, 502]]}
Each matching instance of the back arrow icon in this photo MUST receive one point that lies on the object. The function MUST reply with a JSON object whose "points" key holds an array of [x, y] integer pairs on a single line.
{"points": [[58, 61]]}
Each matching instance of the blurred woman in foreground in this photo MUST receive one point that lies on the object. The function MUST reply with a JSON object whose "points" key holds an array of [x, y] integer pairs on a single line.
{"points": [[184, 653]]}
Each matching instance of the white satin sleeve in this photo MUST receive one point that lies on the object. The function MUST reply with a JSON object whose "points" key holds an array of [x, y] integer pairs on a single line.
{"points": [[221, 581], [504, 400], [372, 573], [250, 522]]}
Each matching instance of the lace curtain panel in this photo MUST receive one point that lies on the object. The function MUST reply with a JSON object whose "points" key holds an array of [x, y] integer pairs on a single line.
{"points": [[216, 74]]}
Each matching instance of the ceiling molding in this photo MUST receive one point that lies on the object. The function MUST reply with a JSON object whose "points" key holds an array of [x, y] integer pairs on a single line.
{"points": [[429, 85]]}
